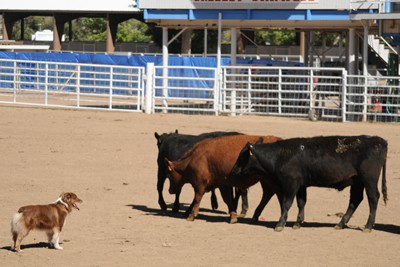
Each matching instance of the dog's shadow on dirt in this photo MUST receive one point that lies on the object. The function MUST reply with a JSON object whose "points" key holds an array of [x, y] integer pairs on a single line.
{"points": [[218, 216], [29, 246]]}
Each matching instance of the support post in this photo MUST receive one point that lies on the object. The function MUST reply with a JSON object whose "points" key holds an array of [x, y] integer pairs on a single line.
{"points": [[219, 70], [365, 69], [149, 87], [302, 46], [112, 27], [165, 67], [205, 41], [219, 42], [58, 31], [233, 63], [351, 48]]}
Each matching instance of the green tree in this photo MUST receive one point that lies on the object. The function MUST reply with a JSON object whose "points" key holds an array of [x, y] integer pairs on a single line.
{"points": [[275, 37], [133, 31], [89, 29]]}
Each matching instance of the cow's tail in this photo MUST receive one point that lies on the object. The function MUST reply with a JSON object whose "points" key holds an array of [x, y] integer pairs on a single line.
{"points": [[384, 188]]}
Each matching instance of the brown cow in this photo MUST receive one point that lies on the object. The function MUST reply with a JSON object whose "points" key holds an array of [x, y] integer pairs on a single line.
{"points": [[207, 165]]}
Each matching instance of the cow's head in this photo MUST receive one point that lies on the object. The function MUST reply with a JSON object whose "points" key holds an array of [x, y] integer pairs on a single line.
{"points": [[160, 138], [175, 178], [247, 160]]}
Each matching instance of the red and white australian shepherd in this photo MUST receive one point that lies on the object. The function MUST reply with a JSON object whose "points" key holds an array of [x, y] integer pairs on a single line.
{"points": [[49, 218]]}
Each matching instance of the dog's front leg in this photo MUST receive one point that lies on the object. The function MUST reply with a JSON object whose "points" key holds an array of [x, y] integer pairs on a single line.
{"points": [[55, 239]]}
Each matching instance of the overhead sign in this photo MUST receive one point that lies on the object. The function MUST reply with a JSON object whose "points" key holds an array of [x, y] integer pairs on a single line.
{"points": [[245, 4], [256, 1]]}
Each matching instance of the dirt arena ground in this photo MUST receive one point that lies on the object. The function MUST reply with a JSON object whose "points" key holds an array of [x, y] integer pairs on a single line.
{"points": [[109, 160]]}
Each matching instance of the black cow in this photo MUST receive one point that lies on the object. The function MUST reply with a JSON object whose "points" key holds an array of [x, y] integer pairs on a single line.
{"points": [[173, 146], [334, 161]]}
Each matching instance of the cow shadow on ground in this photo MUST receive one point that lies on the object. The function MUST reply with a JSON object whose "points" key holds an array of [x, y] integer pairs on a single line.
{"points": [[388, 228], [28, 246], [219, 216], [208, 215]]}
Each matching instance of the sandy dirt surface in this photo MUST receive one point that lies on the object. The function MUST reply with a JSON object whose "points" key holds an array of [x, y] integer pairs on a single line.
{"points": [[109, 160]]}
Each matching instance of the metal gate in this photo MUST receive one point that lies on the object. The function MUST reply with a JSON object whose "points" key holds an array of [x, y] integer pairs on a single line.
{"points": [[70, 85]]}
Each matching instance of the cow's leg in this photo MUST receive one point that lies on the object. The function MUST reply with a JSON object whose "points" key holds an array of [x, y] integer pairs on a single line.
{"points": [[356, 196], [373, 197], [239, 192], [189, 209], [198, 195], [301, 198], [160, 186], [236, 197], [175, 208], [286, 202], [227, 195], [268, 192], [245, 202], [214, 201]]}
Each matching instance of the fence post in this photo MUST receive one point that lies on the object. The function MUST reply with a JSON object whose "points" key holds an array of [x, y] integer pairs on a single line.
{"points": [[217, 91], [279, 91], [344, 94], [78, 86], [46, 84], [365, 98], [233, 92], [149, 87], [311, 91], [111, 89], [16, 75]]}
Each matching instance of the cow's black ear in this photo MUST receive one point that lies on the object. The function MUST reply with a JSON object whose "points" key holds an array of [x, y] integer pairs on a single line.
{"points": [[156, 135], [260, 140], [250, 148], [176, 131]]}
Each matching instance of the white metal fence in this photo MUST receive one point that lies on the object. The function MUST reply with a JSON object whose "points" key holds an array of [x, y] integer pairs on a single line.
{"points": [[328, 94], [185, 89], [283, 91], [71, 85]]}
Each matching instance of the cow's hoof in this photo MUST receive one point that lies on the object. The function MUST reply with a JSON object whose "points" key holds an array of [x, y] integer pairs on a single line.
{"points": [[214, 205], [163, 206], [190, 218], [233, 219], [338, 227], [242, 214], [279, 229], [296, 226], [367, 230]]}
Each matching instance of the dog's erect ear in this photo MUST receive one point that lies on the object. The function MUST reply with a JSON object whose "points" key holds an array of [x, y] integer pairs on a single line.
{"points": [[156, 135], [176, 131]]}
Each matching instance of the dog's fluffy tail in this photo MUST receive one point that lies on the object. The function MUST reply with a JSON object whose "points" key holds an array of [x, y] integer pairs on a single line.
{"points": [[16, 224]]}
